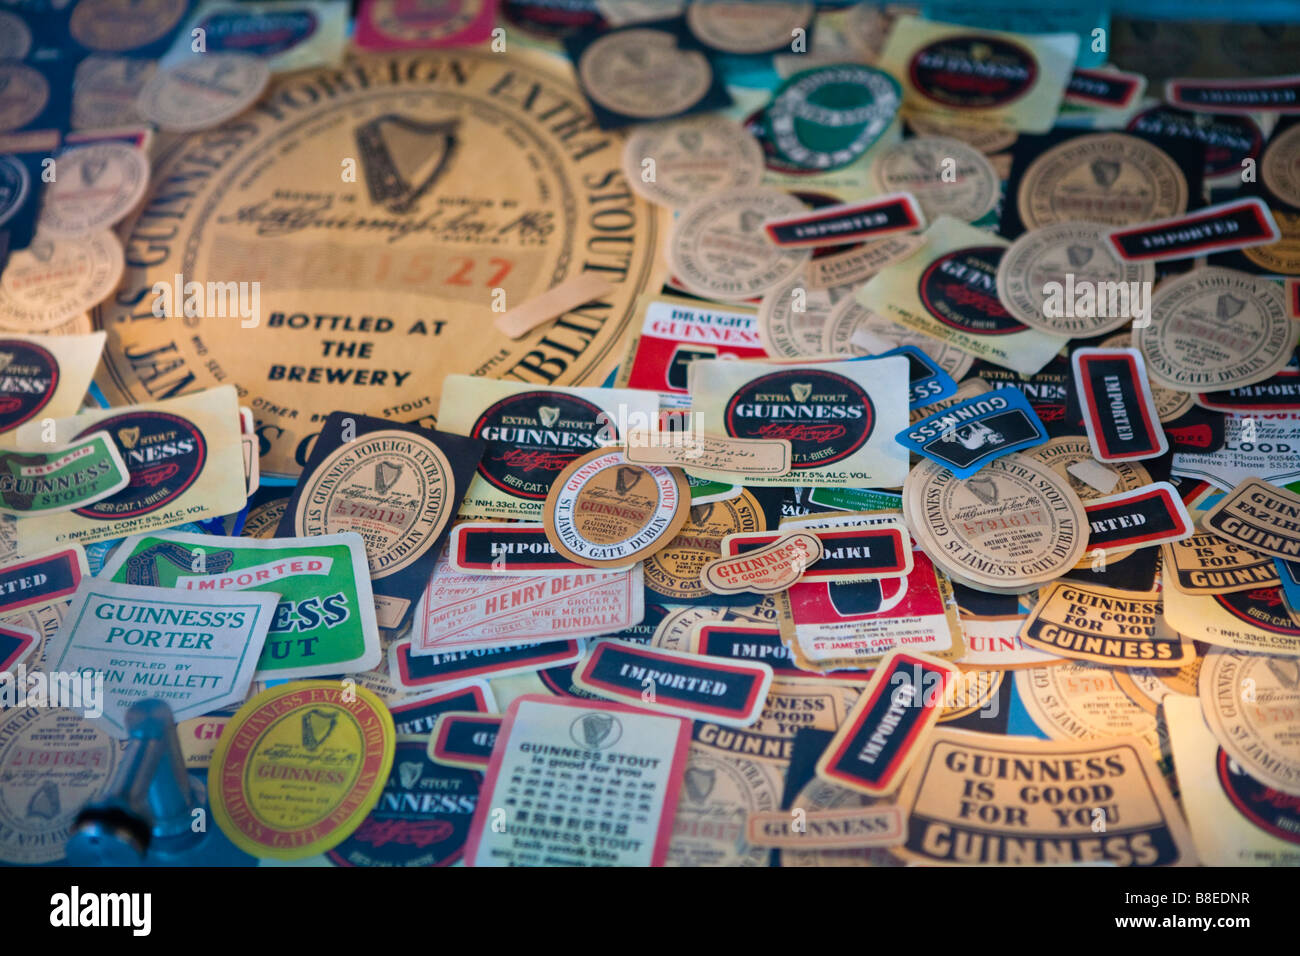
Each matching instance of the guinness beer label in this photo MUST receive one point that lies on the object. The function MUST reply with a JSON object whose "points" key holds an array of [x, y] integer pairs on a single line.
{"points": [[1250, 703], [1104, 626], [413, 673], [54, 280], [733, 27], [848, 222], [116, 26], [968, 435], [992, 77], [739, 640], [693, 158], [1256, 621], [674, 572], [1118, 410], [947, 177], [1233, 225], [349, 322], [765, 569], [1206, 563], [532, 435], [499, 547], [1280, 169], [299, 767], [673, 682], [1258, 516], [1139, 518], [396, 25], [99, 183], [881, 549], [33, 484], [837, 416], [41, 580], [43, 375]]}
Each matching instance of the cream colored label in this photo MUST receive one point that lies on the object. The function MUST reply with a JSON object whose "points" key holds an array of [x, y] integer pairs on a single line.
{"points": [[1207, 564], [847, 829], [643, 73], [710, 454], [199, 92], [950, 293], [54, 280], [1081, 701], [1103, 625], [183, 456], [765, 571], [1258, 516], [1256, 621], [947, 177], [1252, 704], [859, 264], [719, 792], [680, 161]]}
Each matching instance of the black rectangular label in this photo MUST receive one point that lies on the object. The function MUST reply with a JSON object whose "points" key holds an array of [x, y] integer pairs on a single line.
{"points": [[707, 688], [1133, 522], [420, 716], [1116, 407], [1225, 227], [841, 224], [47, 579]]}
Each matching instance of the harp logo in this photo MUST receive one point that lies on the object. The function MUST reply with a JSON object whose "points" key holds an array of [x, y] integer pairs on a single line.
{"points": [[596, 731], [404, 158]]}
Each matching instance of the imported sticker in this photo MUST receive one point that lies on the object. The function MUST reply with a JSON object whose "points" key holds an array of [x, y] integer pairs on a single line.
{"points": [[968, 435], [1273, 95], [41, 580], [324, 622], [745, 641], [1239, 224], [874, 747], [413, 673], [1151, 515], [977, 798], [1119, 413], [854, 547], [507, 548], [848, 223], [673, 682], [474, 611], [196, 652], [606, 748], [417, 715], [15, 644], [1107, 89], [464, 740]]}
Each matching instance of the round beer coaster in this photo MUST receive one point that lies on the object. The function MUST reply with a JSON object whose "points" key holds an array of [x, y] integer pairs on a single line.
{"points": [[718, 249], [299, 767], [604, 512], [644, 74], [114, 26], [674, 570], [15, 184], [1081, 701], [15, 38], [789, 331], [52, 763], [263, 520], [827, 117], [24, 93], [422, 817], [850, 328], [1280, 166], [1059, 454], [55, 280], [947, 177], [1063, 279], [1252, 704], [1009, 528], [988, 138], [742, 26], [30, 379], [339, 495], [675, 163], [1281, 257], [1170, 405], [1109, 178], [719, 791], [96, 186], [1214, 329], [203, 91], [1147, 686]]}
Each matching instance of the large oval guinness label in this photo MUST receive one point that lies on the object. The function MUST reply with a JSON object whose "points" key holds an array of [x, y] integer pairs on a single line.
{"points": [[29, 375], [532, 437], [164, 454], [960, 289], [826, 417], [354, 199], [976, 72], [1273, 811]]}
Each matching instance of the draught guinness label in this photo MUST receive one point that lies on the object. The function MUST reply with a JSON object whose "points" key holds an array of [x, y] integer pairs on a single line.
{"points": [[354, 197]]}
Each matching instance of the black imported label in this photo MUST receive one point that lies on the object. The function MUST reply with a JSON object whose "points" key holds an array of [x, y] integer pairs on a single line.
{"points": [[717, 690], [1282, 95], [1101, 88], [1137, 520], [1122, 420], [39, 581], [1280, 393], [764, 645], [500, 549], [466, 739], [1233, 225], [418, 717], [840, 225]]}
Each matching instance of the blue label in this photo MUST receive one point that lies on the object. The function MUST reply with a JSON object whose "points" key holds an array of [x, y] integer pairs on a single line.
{"points": [[967, 436], [1289, 572], [927, 383]]}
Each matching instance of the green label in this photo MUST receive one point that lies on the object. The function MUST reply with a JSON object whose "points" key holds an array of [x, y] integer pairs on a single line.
{"points": [[856, 499], [325, 621], [76, 475], [703, 490]]}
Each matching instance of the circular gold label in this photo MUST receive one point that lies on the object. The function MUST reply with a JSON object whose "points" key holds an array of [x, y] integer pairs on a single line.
{"points": [[97, 185], [675, 570], [1147, 687], [1280, 166], [1170, 405], [1060, 453], [264, 520], [1011, 526], [1215, 329], [675, 163], [15, 38], [1281, 257], [1064, 280], [746, 27], [849, 317], [643, 73], [422, 20], [1252, 703], [112, 26], [398, 525], [817, 795], [53, 281], [673, 633], [947, 177], [52, 763], [718, 248], [1109, 178], [299, 767], [792, 317], [718, 794], [203, 91], [604, 512], [105, 90], [355, 200], [23, 95]]}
